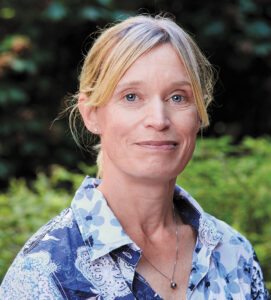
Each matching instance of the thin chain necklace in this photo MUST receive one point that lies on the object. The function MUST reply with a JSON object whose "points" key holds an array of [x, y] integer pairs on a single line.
{"points": [[173, 284]]}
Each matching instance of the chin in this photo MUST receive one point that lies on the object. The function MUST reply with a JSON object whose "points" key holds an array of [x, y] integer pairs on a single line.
{"points": [[156, 174]]}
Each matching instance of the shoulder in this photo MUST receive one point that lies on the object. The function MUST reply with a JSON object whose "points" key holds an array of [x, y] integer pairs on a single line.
{"points": [[29, 277], [229, 236], [230, 243], [31, 274], [234, 257], [44, 238]]}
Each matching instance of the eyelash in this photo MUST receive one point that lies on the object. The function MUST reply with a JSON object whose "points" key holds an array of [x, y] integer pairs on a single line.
{"points": [[182, 98]]}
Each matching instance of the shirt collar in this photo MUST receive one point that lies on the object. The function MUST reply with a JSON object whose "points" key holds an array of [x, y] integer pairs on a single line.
{"points": [[205, 225], [102, 232], [99, 227]]}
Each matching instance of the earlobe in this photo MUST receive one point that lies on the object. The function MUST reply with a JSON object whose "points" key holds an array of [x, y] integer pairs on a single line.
{"points": [[88, 113]]}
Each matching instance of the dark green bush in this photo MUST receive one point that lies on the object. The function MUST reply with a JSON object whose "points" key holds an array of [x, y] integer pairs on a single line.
{"points": [[232, 182]]}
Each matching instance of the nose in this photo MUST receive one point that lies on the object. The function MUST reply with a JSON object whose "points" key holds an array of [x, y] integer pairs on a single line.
{"points": [[156, 115]]}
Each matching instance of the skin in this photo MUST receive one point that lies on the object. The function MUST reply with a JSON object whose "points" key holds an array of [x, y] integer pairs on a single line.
{"points": [[148, 132]]}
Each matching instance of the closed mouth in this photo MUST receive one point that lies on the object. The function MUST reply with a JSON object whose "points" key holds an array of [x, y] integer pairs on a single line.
{"points": [[159, 145]]}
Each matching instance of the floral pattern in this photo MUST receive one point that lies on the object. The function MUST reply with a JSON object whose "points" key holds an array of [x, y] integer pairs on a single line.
{"points": [[84, 253], [209, 284], [103, 274], [208, 233], [34, 274]]}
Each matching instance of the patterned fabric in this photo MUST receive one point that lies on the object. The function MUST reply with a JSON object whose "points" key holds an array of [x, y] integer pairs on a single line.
{"points": [[84, 253]]}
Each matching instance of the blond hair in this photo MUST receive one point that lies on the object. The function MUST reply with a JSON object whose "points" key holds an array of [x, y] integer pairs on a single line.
{"points": [[117, 48]]}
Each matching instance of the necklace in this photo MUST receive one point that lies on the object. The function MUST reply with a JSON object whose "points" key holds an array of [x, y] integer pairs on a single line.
{"points": [[173, 284]]}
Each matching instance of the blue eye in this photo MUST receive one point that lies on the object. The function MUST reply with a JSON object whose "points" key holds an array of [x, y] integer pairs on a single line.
{"points": [[177, 98], [130, 97]]}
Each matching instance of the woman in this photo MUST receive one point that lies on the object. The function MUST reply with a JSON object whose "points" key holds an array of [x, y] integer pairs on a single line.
{"points": [[144, 89]]}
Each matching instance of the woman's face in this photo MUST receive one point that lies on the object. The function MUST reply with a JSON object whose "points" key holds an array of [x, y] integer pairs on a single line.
{"points": [[148, 128]]}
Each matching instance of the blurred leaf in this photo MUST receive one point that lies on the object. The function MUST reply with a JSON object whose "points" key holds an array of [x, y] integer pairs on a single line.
{"points": [[90, 13], [263, 49], [32, 147], [215, 28], [105, 2], [23, 65], [5, 168], [17, 95], [10, 95], [56, 11], [14, 43], [7, 13], [258, 29], [5, 44], [247, 6], [34, 126]]}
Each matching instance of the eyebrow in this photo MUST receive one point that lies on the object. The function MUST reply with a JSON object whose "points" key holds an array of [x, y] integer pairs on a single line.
{"points": [[181, 82], [141, 82], [128, 83]]}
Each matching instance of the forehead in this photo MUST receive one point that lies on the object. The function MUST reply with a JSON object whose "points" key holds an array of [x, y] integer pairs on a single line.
{"points": [[162, 63]]}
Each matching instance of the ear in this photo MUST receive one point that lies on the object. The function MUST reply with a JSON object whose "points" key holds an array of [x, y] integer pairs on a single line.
{"points": [[88, 113]]}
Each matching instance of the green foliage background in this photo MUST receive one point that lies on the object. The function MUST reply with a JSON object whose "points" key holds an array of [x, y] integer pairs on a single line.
{"points": [[230, 182]]}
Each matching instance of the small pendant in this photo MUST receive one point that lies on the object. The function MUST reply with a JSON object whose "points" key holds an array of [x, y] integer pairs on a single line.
{"points": [[173, 285]]}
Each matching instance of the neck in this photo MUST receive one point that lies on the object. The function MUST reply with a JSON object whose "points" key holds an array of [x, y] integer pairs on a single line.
{"points": [[143, 207]]}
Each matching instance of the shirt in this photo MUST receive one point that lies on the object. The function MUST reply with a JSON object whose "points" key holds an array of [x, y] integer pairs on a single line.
{"points": [[84, 253]]}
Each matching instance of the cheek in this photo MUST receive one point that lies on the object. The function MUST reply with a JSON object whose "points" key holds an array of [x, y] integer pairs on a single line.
{"points": [[120, 122], [188, 124], [115, 129]]}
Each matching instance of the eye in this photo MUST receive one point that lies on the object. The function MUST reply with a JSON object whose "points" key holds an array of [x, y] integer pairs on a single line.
{"points": [[130, 97], [177, 98]]}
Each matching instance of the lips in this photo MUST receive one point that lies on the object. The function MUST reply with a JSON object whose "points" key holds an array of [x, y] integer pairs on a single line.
{"points": [[159, 145]]}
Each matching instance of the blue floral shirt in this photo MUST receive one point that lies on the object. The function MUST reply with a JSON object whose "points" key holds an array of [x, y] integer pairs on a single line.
{"points": [[84, 253]]}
